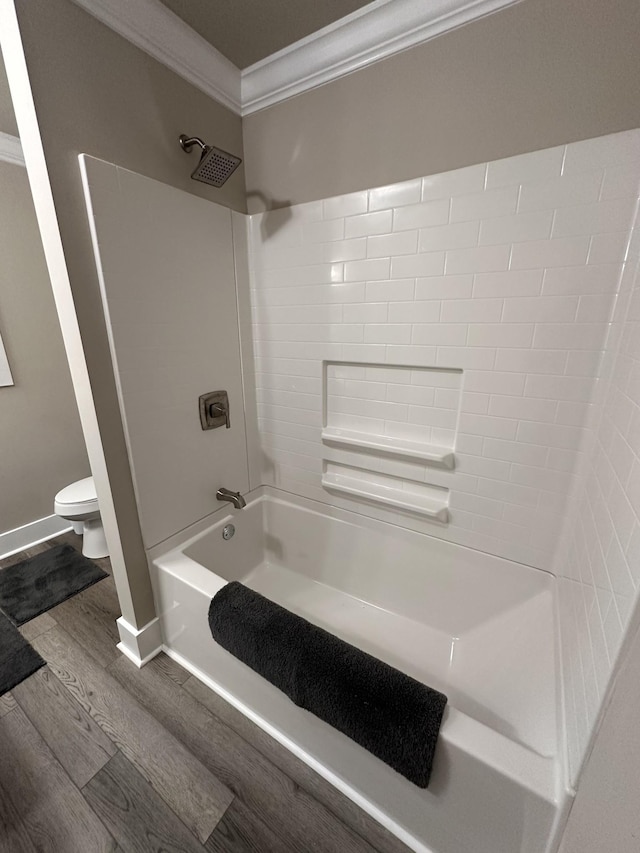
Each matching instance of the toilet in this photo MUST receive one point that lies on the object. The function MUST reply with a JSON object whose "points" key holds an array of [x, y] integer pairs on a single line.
{"points": [[78, 503]]}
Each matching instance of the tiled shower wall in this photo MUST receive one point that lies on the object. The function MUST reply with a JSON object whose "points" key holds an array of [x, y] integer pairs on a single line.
{"points": [[599, 559], [507, 271]]}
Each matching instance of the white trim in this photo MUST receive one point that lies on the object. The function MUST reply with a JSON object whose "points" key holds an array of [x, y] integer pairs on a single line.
{"points": [[377, 31], [40, 530], [163, 35], [11, 149], [139, 645], [18, 76]]}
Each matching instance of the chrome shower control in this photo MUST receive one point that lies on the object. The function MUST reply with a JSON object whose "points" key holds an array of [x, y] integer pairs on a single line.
{"points": [[228, 531]]}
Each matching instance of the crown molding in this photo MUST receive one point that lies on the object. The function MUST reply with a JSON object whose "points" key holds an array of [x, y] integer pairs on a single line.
{"points": [[11, 150], [377, 31], [163, 35]]}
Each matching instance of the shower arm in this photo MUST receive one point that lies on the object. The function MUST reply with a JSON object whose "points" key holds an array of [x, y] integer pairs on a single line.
{"points": [[187, 142]]}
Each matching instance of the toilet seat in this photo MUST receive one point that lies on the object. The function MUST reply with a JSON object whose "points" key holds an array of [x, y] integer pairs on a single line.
{"points": [[77, 499]]}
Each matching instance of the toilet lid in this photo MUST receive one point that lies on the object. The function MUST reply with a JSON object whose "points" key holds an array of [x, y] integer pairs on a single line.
{"points": [[84, 491]]}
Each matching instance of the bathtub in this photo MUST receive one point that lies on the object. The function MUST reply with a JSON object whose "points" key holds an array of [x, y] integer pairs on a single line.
{"points": [[479, 628]]}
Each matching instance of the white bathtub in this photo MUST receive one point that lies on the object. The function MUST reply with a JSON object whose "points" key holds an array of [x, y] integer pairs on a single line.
{"points": [[479, 628]]}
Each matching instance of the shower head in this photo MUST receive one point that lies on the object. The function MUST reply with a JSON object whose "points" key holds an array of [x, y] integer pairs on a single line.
{"points": [[215, 165]]}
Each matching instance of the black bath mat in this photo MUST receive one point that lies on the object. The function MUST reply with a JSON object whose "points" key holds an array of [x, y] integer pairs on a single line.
{"points": [[33, 586], [18, 660], [392, 715]]}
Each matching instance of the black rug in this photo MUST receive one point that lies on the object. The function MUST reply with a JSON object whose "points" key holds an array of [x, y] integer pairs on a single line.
{"points": [[34, 586], [18, 660]]}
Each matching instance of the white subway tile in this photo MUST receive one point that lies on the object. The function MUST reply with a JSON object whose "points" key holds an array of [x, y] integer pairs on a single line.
{"points": [[395, 195], [471, 311], [298, 314], [523, 408], [363, 352], [461, 235], [370, 312], [512, 451], [531, 361], [368, 408], [480, 466], [508, 492], [602, 278], [481, 259], [437, 378], [413, 355], [491, 427], [573, 414], [496, 202], [368, 223], [390, 290], [413, 394], [300, 276], [508, 283], [493, 382], [345, 205], [357, 388], [467, 180], [476, 505], [621, 150], [599, 218], [564, 252], [620, 183], [500, 335], [549, 435], [526, 168], [540, 309], [430, 416], [520, 228], [559, 192], [466, 358], [444, 287], [476, 404], [323, 231], [421, 215], [387, 245], [595, 308], [374, 269], [410, 266], [571, 388], [436, 334], [387, 333], [608, 248], [589, 336], [414, 312]]}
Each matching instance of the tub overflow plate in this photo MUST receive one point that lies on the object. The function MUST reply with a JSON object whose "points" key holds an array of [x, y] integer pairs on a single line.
{"points": [[228, 531]]}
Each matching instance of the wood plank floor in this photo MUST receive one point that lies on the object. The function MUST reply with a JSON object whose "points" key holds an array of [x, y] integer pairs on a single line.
{"points": [[96, 755]]}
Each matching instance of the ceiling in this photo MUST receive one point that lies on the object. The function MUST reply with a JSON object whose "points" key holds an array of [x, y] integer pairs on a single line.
{"points": [[246, 31]]}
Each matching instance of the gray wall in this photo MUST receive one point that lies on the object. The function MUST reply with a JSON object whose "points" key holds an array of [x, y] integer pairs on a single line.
{"points": [[41, 444], [532, 76], [97, 94]]}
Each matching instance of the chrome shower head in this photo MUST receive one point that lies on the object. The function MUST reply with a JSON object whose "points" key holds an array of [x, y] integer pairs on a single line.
{"points": [[215, 165]]}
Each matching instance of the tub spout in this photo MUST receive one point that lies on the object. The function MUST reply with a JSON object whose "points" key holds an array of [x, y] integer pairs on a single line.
{"points": [[234, 497]]}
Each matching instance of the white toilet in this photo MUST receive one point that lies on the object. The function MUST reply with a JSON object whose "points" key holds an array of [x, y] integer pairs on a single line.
{"points": [[78, 503]]}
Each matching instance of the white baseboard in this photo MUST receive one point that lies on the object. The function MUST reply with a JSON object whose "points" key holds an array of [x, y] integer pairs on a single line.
{"points": [[140, 645], [31, 534]]}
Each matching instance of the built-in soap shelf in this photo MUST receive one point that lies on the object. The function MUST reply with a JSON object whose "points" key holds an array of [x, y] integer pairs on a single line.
{"points": [[430, 453], [421, 499]]}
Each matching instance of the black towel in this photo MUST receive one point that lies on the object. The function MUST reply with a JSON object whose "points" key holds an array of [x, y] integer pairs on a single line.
{"points": [[392, 715]]}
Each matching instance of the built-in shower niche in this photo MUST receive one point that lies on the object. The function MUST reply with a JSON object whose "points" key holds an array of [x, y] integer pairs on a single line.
{"points": [[376, 412]]}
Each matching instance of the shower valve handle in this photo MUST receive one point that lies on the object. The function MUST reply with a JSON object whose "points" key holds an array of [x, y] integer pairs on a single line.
{"points": [[217, 410]]}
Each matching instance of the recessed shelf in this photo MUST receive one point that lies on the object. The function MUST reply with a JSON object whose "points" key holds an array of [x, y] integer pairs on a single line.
{"points": [[426, 505], [431, 453]]}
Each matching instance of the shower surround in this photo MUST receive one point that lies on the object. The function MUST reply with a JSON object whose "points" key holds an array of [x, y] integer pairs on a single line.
{"points": [[454, 356], [523, 274]]}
